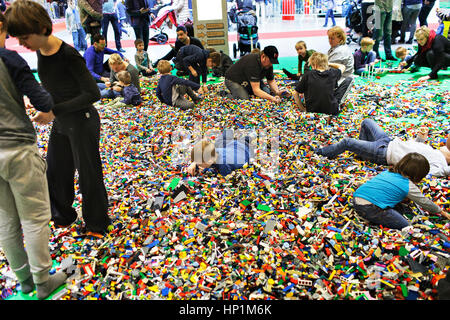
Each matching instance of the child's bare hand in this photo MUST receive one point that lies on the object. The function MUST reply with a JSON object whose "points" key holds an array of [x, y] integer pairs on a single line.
{"points": [[192, 169], [422, 132], [445, 214]]}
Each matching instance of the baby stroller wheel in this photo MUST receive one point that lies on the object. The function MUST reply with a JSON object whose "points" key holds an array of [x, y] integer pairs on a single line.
{"points": [[162, 38], [258, 45], [234, 50]]}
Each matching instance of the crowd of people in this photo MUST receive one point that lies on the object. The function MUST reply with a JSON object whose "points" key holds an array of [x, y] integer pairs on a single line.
{"points": [[39, 190]]}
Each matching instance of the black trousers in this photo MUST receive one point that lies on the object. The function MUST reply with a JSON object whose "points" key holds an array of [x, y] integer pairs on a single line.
{"points": [[429, 59], [74, 145]]}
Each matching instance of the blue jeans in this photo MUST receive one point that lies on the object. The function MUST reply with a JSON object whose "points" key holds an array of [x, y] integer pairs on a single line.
{"points": [[370, 58], [107, 18], [371, 145], [383, 32], [409, 22], [108, 93], [142, 31], [330, 13], [79, 39], [389, 217]]}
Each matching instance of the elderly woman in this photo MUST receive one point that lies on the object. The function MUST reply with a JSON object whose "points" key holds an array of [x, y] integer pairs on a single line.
{"points": [[433, 52], [340, 52]]}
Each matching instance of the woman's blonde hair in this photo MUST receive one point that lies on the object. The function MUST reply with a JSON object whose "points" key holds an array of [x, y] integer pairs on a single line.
{"points": [[423, 31], [318, 60], [338, 32], [115, 59]]}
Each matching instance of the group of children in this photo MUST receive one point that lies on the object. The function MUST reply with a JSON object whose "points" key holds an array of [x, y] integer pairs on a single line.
{"points": [[28, 203]]}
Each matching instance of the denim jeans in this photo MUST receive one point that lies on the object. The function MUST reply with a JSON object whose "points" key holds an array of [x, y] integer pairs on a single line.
{"points": [[389, 217], [330, 13], [409, 22], [79, 39], [371, 145], [383, 32], [142, 31], [111, 18], [108, 93]]}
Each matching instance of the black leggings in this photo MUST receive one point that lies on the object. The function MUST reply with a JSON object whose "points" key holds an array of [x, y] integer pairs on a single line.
{"points": [[429, 59]]}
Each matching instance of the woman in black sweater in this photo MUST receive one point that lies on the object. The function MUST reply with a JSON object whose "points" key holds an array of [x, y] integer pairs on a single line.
{"points": [[433, 52], [74, 138]]}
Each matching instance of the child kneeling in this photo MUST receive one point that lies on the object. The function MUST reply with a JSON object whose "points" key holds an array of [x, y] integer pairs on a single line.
{"points": [[377, 199], [171, 89]]}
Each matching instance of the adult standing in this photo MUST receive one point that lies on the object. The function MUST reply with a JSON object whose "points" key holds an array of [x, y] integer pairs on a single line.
{"points": [[74, 137], [73, 25], [367, 11], [260, 8], [383, 27], [427, 5], [331, 5], [244, 78], [139, 13], [91, 15], [181, 8], [433, 52], [410, 12], [110, 17]]}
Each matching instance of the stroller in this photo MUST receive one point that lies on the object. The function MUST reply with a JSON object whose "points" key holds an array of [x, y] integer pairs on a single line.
{"points": [[353, 21], [162, 37], [247, 32]]}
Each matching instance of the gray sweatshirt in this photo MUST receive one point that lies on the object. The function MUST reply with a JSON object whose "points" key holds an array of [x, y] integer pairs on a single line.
{"points": [[398, 148], [16, 80]]}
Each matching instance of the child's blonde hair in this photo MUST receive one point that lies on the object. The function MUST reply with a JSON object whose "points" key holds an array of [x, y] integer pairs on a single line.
{"points": [[318, 60], [164, 66], [203, 152], [124, 76], [338, 32], [366, 42], [255, 50], [115, 59], [400, 52], [299, 44]]}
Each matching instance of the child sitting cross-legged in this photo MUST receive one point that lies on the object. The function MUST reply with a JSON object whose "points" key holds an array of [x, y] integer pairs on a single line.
{"points": [[364, 56]]}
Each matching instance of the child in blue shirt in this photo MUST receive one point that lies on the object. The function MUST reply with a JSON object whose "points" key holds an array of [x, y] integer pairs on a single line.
{"points": [[377, 199], [130, 93], [223, 157], [171, 89]]}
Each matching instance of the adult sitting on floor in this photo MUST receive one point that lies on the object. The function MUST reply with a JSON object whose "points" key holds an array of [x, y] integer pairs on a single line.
{"points": [[433, 52], [112, 89], [94, 56]]}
